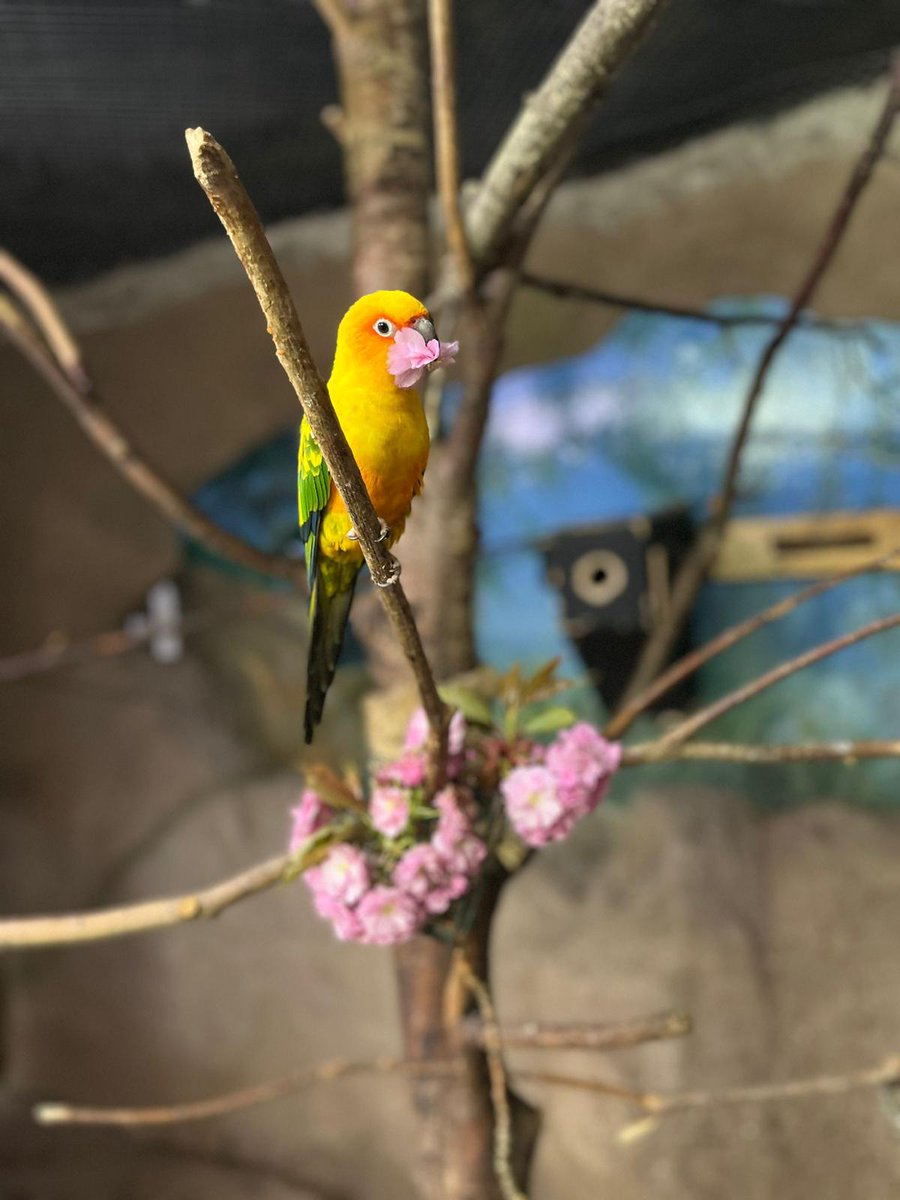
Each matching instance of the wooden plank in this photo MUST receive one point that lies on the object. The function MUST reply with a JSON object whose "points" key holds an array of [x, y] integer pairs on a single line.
{"points": [[809, 546]]}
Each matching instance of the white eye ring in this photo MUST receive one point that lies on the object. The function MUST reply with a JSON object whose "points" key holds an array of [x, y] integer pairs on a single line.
{"points": [[384, 328]]}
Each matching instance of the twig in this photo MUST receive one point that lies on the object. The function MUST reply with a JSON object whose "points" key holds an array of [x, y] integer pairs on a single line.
{"points": [[848, 753], [692, 662], [58, 651], [335, 16], [695, 567], [23, 933], [493, 1050], [661, 1103], [216, 174], [565, 290], [577, 1083], [607, 33], [112, 443], [51, 1113], [35, 298], [724, 704], [537, 1035], [446, 136]]}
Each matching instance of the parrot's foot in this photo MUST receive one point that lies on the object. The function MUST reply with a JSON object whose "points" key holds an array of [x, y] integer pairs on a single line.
{"points": [[393, 577], [353, 536]]}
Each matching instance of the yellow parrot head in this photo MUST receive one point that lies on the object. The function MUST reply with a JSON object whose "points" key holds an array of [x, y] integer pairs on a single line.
{"points": [[367, 332]]}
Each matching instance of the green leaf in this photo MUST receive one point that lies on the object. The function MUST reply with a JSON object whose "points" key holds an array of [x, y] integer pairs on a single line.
{"points": [[548, 720], [533, 688], [472, 706]]}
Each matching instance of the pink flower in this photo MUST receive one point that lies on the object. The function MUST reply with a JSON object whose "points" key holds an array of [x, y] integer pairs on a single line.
{"points": [[408, 771], [343, 875], [410, 355], [418, 871], [418, 729], [422, 874], [310, 815], [582, 762], [389, 810], [347, 925], [388, 916], [453, 823], [533, 804], [468, 855]]}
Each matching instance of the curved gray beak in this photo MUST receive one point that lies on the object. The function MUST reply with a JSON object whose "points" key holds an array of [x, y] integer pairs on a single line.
{"points": [[426, 327]]}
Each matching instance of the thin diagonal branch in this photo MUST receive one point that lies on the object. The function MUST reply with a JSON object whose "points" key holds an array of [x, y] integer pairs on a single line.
{"points": [[696, 566], [606, 35], [582, 1035], [692, 661], [335, 15], [493, 1050], [848, 753], [25, 933], [38, 302], [112, 443], [59, 651], [565, 290], [661, 1104], [216, 174], [52, 1113], [687, 728], [446, 136]]}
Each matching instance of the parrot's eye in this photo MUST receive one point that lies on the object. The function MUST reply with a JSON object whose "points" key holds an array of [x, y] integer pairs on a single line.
{"points": [[384, 328]]}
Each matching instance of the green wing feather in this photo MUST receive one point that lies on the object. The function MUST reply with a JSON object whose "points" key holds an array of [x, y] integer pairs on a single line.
{"points": [[331, 583], [313, 490]]}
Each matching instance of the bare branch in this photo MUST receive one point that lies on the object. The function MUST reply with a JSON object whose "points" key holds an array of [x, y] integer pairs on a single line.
{"points": [[335, 16], [848, 753], [216, 174], [51, 1113], [692, 662], [577, 1083], [564, 290], [38, 302], [24, 933], [696, 566], [446, 135], [59, 651], [112, 443], [493, 1050], [538, 1035], [608, 32], [724, 704], [660, 1104]]}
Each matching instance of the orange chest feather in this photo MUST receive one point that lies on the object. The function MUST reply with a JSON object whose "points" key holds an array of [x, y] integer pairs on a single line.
{"points": [[388, 435]]}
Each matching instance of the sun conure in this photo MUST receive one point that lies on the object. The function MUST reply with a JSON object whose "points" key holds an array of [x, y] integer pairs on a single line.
{"points": [[385, 343]]}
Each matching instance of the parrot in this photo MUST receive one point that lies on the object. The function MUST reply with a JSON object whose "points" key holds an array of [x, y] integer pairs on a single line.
{"points": [[385, 343]]}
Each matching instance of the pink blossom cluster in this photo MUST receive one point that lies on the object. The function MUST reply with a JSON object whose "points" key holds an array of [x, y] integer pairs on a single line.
{"points": [[544, 799], [417, 860]]}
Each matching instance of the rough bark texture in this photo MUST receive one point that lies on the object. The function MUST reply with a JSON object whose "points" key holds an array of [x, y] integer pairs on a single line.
{"points": [[382, 59], [382, 56]]}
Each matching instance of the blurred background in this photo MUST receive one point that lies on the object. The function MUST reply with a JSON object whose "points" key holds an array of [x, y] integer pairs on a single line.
{"points": [[705, 182]]}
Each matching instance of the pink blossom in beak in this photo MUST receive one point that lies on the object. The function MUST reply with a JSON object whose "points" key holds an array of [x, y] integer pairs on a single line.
{"points": [[410, 356]]}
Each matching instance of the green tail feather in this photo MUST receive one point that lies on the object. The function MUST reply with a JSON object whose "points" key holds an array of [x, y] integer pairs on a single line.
{"points": [[329, 608]]}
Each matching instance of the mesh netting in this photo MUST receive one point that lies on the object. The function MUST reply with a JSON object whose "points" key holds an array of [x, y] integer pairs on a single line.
{"points": [[95, 96]]}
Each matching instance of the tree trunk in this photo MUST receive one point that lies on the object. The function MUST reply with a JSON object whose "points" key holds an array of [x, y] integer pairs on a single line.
{"points": [[382, 58]]}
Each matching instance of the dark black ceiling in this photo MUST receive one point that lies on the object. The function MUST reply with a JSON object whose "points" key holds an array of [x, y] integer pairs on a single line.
{"points": [[95, 96]]}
